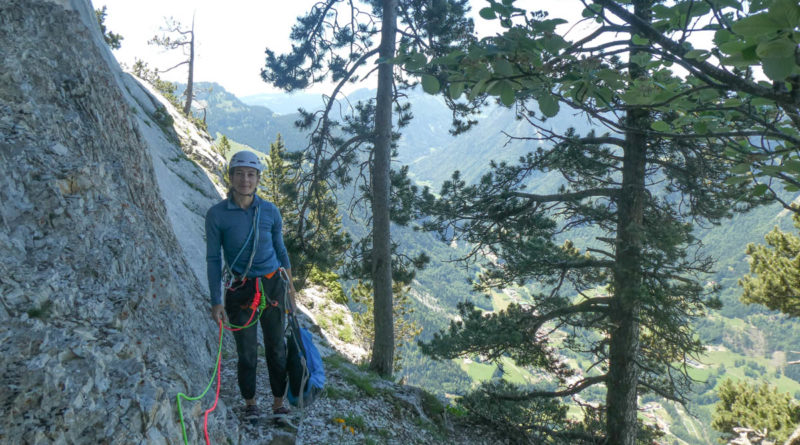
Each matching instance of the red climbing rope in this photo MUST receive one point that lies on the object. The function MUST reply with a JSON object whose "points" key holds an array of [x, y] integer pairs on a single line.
{"points": [[254, 306], [216, 397]]}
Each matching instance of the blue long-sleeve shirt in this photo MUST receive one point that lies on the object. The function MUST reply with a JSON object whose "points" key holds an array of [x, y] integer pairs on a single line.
{"points": [[227, 226]]}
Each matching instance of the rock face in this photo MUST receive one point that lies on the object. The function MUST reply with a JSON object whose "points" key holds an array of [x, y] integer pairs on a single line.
{"points": [[102, 319]]}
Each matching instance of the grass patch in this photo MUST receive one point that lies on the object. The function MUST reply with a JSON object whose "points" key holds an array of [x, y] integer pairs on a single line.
{"points": [[323, 323], [434, 429], [362, 380], [355, 421], [346, 334], [478, 372], [41, 312], [713, 360], [515, 374], [482, 372], [333, 392], [456, 410], [431, 405], [499, 301], [337, 319], [351, 422], [335, 361]]}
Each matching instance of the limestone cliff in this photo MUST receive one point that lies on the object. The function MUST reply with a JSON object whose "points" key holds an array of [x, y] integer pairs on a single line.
{"points": [[102, 319]]}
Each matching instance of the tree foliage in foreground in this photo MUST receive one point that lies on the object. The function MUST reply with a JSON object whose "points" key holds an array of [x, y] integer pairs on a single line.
{"points": [[670, 151], [760, 407], [774, 279]]}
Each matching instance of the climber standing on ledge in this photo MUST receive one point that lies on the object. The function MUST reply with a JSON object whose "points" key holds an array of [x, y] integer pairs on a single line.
{"points": [[248, 229]]}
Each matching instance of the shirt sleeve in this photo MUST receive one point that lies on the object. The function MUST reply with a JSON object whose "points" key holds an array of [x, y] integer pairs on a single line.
{"points": [[277, 241], [213, 258]]}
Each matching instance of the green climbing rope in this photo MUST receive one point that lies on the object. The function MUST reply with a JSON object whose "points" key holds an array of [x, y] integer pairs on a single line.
{"points": [[180, 394]]}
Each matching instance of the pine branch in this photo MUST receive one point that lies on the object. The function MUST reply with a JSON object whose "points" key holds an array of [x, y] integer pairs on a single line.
{"points": [[573, 389], [172, 68], [718, 74], [571, 196], [590, 305]]}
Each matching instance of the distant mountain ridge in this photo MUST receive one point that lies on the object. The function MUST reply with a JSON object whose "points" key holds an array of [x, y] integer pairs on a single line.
{"points": [[282, 103], [254, 125]]}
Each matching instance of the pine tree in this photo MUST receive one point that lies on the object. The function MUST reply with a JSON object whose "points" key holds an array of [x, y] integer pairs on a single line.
{"points": [[774, 278], [174, 35], [141, 70], [774, 281], [223, 146], [329, 45], [760, 407], [276, 185], [679, 150]]}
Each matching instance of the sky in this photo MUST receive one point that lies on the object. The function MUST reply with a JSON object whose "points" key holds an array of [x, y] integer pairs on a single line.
{"points": [[230, 36]]}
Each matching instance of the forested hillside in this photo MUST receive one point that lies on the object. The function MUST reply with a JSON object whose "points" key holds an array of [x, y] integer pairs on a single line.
{"points": [[253, 125]]}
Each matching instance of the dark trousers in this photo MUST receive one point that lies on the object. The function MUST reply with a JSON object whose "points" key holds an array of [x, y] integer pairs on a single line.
{"points": [[272, 327]]}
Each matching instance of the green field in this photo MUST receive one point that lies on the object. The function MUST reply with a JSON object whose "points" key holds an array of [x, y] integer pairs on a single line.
{"points": [[716, 358]]}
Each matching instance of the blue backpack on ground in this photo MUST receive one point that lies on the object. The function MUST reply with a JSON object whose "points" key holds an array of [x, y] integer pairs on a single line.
{"points": [[303, 365]]}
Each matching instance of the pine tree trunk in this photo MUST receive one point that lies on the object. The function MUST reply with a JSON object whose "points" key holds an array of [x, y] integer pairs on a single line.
{"points": [[383, 345], [623, 373], [187, 107]]}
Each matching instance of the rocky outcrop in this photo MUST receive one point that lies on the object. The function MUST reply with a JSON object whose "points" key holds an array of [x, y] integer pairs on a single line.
{"points": [[102, 320]]}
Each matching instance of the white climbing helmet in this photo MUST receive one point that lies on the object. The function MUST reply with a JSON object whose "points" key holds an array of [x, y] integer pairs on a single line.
{"points": [[245, 158]]}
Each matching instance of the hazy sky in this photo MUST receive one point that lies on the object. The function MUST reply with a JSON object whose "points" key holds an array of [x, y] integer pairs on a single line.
{"points": [[230, 35]]}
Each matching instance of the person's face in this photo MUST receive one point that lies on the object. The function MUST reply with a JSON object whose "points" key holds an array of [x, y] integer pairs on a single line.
{"points": [[245, 180]]}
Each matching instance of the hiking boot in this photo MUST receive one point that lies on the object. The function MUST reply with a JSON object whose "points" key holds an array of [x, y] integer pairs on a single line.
{"points": [[280, 412], [252, 413]]}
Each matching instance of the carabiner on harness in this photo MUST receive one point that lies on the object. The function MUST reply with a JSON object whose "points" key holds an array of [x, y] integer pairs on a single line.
{"points": [[227, 278]]}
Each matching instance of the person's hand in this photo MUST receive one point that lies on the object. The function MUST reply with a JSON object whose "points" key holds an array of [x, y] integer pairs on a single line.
{"points": [[218, 313]]}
